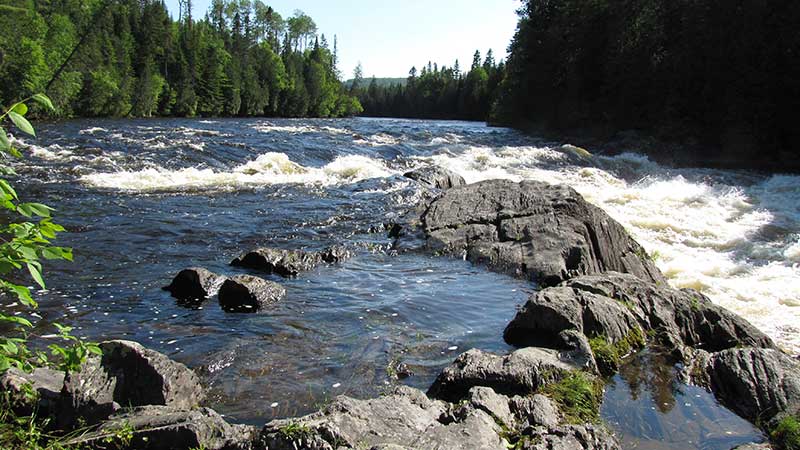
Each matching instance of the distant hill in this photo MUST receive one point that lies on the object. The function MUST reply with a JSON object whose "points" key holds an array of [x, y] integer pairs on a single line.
{"points": [[382, 82]]}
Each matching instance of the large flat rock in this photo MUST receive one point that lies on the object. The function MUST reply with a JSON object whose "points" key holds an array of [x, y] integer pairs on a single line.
{"points": [[547, 233]]}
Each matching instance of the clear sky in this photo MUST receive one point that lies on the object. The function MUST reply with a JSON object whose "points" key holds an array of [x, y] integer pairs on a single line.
{"points": [[388, 37]]}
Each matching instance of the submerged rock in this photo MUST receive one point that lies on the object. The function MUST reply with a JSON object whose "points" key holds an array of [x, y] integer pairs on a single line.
{"points": [[195, 284], [127, 375], [289, 263], [246, 293], [167, 428], [436, 177], [544, 232]]}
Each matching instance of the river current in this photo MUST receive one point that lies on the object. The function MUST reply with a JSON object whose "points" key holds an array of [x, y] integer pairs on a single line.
{"points": [[143, 199]]}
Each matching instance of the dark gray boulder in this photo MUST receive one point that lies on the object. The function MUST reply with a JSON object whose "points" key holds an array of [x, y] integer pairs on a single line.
{"points": [[45, 385], [549, 312], [758, 384], [613, 305], [543, 232], [127, 375], [195, 284], [167, 428], [522, 372], [289, 263], [246, 293], [436, 177]]}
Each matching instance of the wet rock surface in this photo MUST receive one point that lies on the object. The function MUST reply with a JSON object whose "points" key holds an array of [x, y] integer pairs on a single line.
{"points": [[546, 233], [246, 293], [195, 285], [289, 263], [436, 177]]}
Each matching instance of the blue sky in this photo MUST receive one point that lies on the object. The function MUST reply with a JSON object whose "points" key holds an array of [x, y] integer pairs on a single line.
{"points": [[388, 37]]}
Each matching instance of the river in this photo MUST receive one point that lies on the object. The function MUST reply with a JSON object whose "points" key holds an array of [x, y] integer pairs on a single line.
{"points": [[143, 199]]}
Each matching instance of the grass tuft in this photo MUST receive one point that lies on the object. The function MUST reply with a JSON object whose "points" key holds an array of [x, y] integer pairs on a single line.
{"points": [[578, 396]]}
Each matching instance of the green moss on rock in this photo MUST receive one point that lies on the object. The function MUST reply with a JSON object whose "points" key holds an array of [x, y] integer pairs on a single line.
{"points": [[578, 396], [786, 435]]}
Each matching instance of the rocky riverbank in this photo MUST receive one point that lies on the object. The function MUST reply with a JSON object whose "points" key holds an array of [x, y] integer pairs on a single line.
{"points": [[602, 299]]}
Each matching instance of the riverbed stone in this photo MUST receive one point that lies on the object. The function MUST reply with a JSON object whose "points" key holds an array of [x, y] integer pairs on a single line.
{"points": [[167, 428], [127, 375], [522, 372], [195, 284], [246, 293], [543, 232], [289, 263], [436, 177]]}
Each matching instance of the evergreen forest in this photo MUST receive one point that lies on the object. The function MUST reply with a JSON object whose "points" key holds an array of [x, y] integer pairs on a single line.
{"points": [[118, 58]]}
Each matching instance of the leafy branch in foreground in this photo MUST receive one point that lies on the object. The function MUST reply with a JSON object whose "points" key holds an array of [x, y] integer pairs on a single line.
{"points": [[23, 246]]}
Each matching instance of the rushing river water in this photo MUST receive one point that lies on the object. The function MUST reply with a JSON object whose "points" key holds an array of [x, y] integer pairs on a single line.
{"points": [[144, 199]]}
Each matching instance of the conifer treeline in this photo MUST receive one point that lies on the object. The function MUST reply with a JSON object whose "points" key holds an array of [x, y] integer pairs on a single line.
{"points": [[725, 72], [435, 92], [132, 59]]}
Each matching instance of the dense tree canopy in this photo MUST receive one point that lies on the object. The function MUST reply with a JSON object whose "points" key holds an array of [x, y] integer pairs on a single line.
{"points": [[726, 72], [131, 58], [435, 92]]}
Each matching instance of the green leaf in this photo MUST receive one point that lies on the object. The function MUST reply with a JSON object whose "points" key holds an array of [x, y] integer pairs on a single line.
{"points": [[94, 348], [20, 108], [23, 294], [44, 101], [6, 171], [8, 190], [5, 144], [17, 320], [36, 272], [57, 253], [21, 123], [29, 209]]}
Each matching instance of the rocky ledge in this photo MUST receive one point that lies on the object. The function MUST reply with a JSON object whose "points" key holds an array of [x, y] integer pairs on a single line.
{"points": [[535, 230], [603, 299]]}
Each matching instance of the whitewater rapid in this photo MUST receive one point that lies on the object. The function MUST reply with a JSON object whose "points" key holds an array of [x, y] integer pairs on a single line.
{"points": [[733, 235]]}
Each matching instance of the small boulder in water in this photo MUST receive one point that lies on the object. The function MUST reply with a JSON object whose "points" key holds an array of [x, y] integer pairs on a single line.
{"points": [[436, 177], [195, 284], [289, 263], [245, 293]]}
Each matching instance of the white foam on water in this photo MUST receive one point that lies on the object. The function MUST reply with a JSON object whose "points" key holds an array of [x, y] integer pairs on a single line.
{"points": [[377, 140], [298, 129], [739, 243], [93, 130], [266, 169]]}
